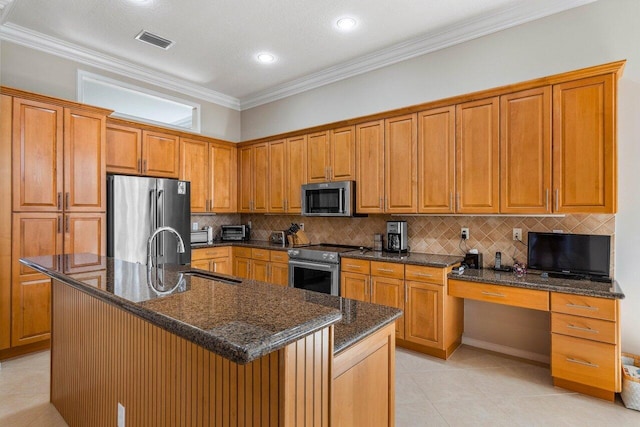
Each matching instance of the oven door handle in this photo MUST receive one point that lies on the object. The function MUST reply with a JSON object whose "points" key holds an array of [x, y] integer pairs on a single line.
{"points": [[311, 264]]}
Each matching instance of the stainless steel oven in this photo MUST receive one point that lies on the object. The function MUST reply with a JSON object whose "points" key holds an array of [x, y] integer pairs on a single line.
{"points": [[316, 268]]}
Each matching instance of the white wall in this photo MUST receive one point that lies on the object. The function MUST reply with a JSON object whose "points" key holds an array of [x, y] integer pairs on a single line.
{"points": [[36, 71], [604, 31]]}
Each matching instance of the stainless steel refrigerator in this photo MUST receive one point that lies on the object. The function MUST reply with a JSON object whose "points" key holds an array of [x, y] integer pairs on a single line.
{"points": [[136, 207]]}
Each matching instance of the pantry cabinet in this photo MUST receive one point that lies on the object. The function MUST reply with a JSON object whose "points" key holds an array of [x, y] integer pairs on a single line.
{"points": [[477, 156], [584, 146], [525, 151], [436, 160]]}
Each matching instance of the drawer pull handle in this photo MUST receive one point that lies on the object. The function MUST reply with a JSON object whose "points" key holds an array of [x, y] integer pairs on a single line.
{"points": [[353, 266], [578, 328], [582, 362], [386, 270], [582, 307], [423, 275], [493, 294]]}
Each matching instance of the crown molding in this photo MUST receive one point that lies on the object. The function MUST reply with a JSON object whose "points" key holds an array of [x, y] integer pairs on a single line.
{"points": [[524, 11], [35, 40]]}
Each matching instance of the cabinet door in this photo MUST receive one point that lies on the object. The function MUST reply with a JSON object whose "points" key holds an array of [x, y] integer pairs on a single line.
{"points": [[401, 166], [84, 161], [245, 186], [343, 154], [223, 178], [355, 286], [436, 160], [35, 234], [318, 157], [370, 167], [31, 312], [161, 154], [124, 149], [584, 157], [261, 178], [221, 265], [202, 264], [296, 167], [259, 270], [424, 314], [389, 292], [277, 175], [37, 156], [6, 116], [85, 233], [525, 151], [194, 167], [279, 273], [478, 146], [242, 267]]}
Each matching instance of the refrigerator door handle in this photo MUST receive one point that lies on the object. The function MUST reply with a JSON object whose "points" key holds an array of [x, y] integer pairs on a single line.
{"points": [[160, 210], [153, 203]]}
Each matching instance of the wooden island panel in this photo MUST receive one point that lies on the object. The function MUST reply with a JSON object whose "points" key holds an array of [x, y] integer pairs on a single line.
{"points": [[102, 356]]}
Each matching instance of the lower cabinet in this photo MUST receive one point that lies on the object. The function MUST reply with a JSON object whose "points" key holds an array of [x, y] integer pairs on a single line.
{"points": [[261, 264], [217, 260]]}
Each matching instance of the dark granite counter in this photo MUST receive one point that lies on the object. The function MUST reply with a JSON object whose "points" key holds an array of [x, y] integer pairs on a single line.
{"points": [[533, 280], [430, 260], [258, 244], [241, 320]]}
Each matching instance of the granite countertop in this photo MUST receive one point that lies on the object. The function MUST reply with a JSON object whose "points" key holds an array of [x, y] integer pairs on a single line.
{"points": [[430, 260], [239, 319], [258, 244], [533, 280]]}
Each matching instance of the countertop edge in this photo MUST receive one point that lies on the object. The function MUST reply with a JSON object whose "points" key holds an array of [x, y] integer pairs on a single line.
{"points": [[368, 332]]}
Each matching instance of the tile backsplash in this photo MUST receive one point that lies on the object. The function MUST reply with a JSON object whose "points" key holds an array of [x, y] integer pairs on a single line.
{"points": [[437, 234]]}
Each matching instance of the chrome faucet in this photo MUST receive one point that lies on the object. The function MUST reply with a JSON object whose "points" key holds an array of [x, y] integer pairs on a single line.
{"points": [[155, 233]]}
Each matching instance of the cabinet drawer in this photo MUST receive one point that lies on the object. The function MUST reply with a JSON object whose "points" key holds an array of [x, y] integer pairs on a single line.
{"points": [[279, 256], [260, 254], [207, 253], [584, 327], [355, 265], [420, 273], [518, 297], [584, 361], [387, 269], [598, 308], [241, 252]]}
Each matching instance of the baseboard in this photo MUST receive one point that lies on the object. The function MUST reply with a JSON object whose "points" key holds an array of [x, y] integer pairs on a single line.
{"points": [[511, 351]]}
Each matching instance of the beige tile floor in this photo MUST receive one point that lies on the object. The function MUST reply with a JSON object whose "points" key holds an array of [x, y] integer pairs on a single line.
{"points": [[472, 388]]}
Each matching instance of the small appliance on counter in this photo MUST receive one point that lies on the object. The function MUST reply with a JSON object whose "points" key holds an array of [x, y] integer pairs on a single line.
{"points": [[235, 232], [199, 237], [278, 238], [378, 242], [397, 236], [472, 260]]}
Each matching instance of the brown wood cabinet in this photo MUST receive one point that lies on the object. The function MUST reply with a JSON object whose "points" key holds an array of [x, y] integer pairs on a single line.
{"points": [[318, 157], [331, 155], [6, 110], [370, 167], [401, 165], [525, 151], [124, 149], [355, 286], [584, 146], [217, 260], [436, 160], [389, 292], [261, 264], [160, 154], [253, 189], [477, 156], [211, 169], [277, 176], [296, 172]]}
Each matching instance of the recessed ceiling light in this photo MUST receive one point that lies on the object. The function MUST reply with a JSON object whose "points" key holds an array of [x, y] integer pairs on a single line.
{"points": [[266, 58], [346, 23]]}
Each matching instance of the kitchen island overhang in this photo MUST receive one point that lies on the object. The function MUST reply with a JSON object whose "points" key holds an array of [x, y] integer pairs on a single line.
{"points": [[245, 350]]}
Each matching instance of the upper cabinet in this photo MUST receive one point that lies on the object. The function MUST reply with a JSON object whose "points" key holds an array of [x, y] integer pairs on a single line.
{"points": [[331, 155], [436, 160], [194, 167], [584, 146], [277, 176], [401, 164], [253, 187], [296, 172], [477, 165], [142, 152], [370, 167], [525, 151]]}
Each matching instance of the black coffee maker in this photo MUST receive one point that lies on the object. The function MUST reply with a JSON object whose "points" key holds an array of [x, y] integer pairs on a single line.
{"points": [[397, 236]]}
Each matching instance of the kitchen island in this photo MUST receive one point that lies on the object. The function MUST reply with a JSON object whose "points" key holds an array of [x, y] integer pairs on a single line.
{"points": [[177, 346]]}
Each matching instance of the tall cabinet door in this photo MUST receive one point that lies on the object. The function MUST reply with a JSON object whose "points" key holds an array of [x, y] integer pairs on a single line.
{"points": [[34, 234], [370, 167], [277, 176], [584, 161], [478, 147], [84, 161], [6, 108], [223, 163], [37, 156], [296, 167], [318, 157], [343, 154], [194, 167], [401, 166], [124, 149], [245, 185], [525, 151], [261, 178], [436, 160]]}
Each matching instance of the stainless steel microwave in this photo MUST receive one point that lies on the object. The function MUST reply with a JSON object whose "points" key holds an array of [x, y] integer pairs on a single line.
{"points": [[329, 199]]}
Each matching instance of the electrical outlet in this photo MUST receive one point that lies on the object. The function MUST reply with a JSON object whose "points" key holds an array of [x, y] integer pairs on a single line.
{"points": [[517, 234], [194, 226], [464, 233], [301, 226], [557, 231], [121, 416]]}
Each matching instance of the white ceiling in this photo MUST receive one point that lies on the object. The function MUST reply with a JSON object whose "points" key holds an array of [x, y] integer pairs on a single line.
{"points": [[216, 42]]}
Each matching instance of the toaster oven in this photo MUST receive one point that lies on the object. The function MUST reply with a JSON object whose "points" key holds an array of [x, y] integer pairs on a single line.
{"points": [[235, 232]]}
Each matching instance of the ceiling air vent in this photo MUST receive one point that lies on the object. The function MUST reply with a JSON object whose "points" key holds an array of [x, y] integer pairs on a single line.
{"points": [[161, 42]]}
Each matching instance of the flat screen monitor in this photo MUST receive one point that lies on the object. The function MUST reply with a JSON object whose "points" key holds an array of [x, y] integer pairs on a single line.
{"points": [[570, 254]]}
